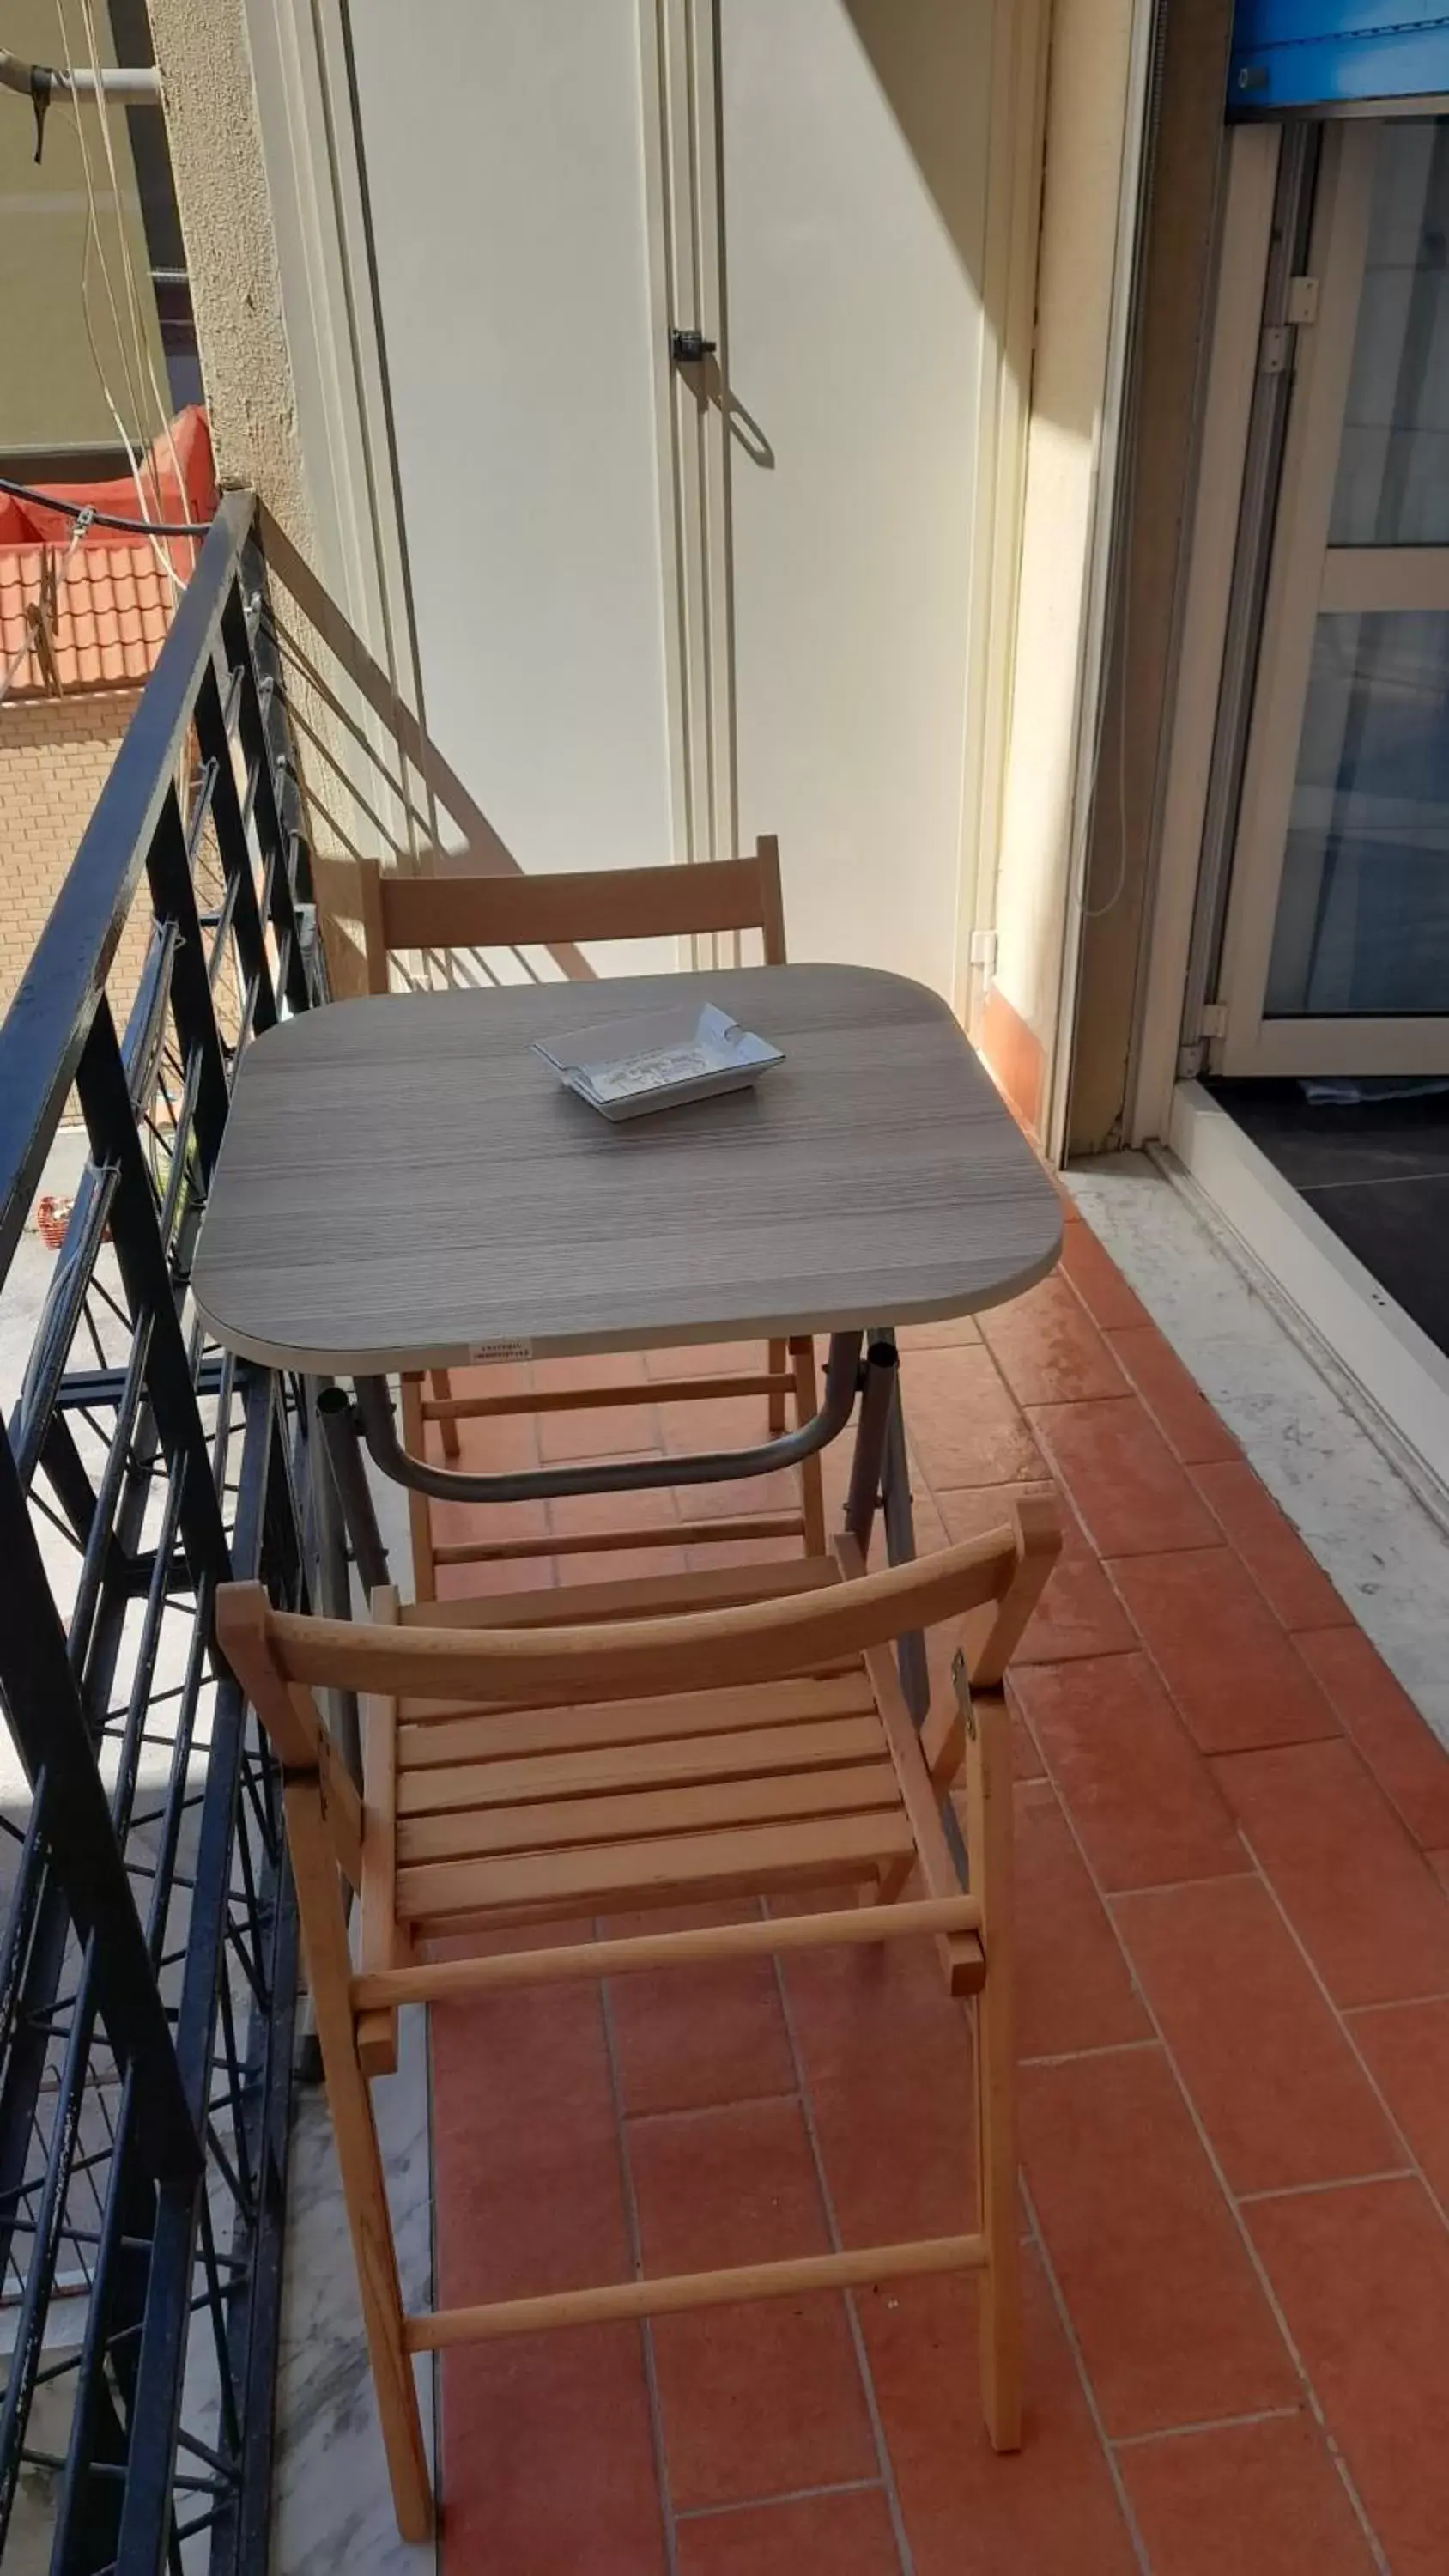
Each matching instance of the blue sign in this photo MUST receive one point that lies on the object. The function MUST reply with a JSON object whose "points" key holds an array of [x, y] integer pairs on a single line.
{"points": [[1324, 53]]}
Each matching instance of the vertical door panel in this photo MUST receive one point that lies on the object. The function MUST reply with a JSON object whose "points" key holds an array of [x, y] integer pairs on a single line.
{"points": [[505, 151], [854, 150]]}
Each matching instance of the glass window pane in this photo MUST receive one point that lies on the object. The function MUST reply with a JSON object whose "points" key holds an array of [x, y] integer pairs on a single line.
{"points": [[1393, 463], [1363, 908]]}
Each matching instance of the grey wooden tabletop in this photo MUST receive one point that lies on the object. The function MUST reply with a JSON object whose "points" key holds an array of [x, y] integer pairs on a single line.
{"points": [[403, 1183]]}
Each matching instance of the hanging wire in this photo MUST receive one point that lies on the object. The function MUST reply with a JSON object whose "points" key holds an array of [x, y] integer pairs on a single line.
{"points": [[133, 298], [93, 241], [102, 518]]}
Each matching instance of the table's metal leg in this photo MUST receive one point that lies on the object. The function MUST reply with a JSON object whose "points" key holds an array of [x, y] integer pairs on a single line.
{"points": [[900, 1531], [872, 1429], [900, 1535], [337, 1421], [334, 1590]]}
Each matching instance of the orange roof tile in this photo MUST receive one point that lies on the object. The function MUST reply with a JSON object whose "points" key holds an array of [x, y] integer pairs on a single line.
{"points": [[115, 597], [113, 607]]}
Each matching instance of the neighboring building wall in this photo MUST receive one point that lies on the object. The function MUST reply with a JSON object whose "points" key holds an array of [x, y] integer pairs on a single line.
{"points": [[51, 392], [55, 755], [1087, 98]]}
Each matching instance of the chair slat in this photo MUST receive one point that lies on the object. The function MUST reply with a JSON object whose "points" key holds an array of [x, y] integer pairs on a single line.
{"points": [[426, 1738], [644, 1597], [595, 1771], [626, 1873], [469, 1833]]}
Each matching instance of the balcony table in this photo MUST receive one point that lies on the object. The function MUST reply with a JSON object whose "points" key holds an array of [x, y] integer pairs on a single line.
{"points": [[403, 1184]]}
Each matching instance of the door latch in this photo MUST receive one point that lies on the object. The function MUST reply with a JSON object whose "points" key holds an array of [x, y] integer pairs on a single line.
{"points": [[690, 348]]}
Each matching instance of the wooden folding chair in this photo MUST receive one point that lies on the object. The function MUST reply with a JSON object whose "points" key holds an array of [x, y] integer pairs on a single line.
{"points": [[695, 1738], [437, 917]]}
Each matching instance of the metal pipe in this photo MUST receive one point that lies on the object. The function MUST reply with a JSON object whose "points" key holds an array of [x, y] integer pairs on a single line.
{"points": [[900, 1537], [868, 1465], [610, 1476], [139, 85], [334, 1597], [337, 1420]]}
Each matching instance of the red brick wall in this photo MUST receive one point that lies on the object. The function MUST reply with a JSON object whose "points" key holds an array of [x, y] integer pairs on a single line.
{"points": [[55, 754]]}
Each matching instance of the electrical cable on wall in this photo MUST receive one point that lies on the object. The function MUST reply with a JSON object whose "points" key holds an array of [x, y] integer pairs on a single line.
{"points": [[103, 518]]}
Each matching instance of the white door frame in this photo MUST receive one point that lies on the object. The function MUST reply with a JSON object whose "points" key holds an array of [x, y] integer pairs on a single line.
{"points": [[1244, 232], [1308, 578]]}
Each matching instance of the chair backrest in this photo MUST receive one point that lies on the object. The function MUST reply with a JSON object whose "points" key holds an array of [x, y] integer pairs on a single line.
{"points": [[282, 1657], [473, 911]]}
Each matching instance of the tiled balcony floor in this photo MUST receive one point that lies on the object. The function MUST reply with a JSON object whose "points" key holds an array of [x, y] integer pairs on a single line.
{"points": [[1233, 1840]]}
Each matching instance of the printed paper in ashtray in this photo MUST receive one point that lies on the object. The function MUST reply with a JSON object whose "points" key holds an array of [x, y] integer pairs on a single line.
{"points": [[653, 1072]]}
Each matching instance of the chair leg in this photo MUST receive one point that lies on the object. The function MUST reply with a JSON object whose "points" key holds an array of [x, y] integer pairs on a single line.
{"points": [[989, 1846], [442, 1390], [779, 1361], [364, 2192]]}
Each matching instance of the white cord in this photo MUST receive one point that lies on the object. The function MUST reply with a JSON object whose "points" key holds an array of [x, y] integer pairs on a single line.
{"points": [[133, 299], [150, 508]]}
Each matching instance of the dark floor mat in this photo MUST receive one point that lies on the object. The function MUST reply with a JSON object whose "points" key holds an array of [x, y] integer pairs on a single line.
{"points": [[1379, 1140]]}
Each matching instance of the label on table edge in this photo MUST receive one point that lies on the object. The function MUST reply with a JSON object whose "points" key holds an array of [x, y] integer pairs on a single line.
{"points": [[500, 1350]]}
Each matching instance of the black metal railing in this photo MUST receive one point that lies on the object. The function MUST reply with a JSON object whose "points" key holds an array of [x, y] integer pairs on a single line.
{"points": [[147, 1934]]}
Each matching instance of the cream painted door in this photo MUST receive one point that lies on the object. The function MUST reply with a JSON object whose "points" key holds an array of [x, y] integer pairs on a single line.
{"points": [[1336, 951], [665, 604], [854, 167]]}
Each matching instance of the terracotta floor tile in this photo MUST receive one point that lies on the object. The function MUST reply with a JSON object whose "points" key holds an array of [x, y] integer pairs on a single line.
{"points": [[1026, 1761], [1172, 1395], [1273, 2079], [1112, 1305], [1073, 1988], [1290, 1579], [1256, 2499], [511, 2414], [948, 1335], [687, 2037], [1079, 1613], [471, 1582], [888, 2063], [597, 1431], [1405, 1757], [759, 2400], [966, 1511], [591, 1368], [1365, 1906], [1439, 1863], [621, 1565], [578, 1515], [1236, 1677], [846, 2535], [1363, 2279], [1140, 1795], [727, 1552], [964, 1428], [704, 1359], [603, 1431], [1047, 1347], [1122, 1478], [1173, 2325], [1407, 2048], [715, 1422], [525, 2146], [1048, 2510]]}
